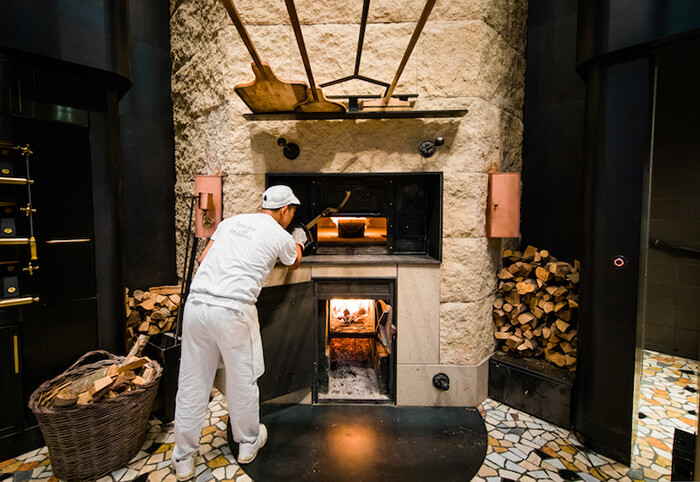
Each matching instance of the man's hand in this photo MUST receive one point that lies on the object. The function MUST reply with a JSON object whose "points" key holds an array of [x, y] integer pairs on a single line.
{"points": [[299, 236]]}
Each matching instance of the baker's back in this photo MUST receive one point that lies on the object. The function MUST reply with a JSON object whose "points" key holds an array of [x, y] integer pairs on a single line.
{"points": [[243, 253]]}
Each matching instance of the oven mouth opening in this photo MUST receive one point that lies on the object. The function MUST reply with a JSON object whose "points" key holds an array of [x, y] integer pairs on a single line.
{"points": [[358, 346], [352, 232]]}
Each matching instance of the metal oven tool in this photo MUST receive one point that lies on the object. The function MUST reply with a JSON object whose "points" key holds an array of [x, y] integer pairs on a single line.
{"points": [[328, 211], [29, 211]]}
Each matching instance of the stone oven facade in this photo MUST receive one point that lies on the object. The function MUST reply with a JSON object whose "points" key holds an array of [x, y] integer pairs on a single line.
{"points": [[469, 56]]}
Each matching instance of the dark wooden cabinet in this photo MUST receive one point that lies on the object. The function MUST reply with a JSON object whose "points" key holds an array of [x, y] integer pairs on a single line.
{"points": [[49, 306]]}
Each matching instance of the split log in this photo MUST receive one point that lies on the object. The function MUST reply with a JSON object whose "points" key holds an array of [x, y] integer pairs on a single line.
{"points": [[505, 274], [529, 253], [147, 305], [166, 290], [100, 385], [542, 274], [132, 363], [160, 314]]}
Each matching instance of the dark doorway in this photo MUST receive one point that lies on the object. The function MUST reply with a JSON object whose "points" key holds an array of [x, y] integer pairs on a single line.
{"points": [[672, 314]]}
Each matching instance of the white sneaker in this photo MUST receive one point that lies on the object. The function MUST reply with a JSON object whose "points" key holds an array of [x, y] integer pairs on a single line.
{"points": [[184, 469], [248, 451]]}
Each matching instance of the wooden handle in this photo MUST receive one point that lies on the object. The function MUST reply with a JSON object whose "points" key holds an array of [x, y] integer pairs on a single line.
{"points": [[233, 13], [429, 4], [302, 48]]}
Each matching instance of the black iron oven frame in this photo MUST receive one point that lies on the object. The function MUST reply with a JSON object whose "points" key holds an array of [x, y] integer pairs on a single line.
{"points": [[411, 203]]}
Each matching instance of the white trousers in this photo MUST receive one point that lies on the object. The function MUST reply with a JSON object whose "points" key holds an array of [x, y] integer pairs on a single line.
{"points": [[210, 332]]}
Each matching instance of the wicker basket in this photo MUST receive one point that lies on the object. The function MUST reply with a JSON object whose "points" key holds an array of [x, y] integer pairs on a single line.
{"points": [[88, 441]]}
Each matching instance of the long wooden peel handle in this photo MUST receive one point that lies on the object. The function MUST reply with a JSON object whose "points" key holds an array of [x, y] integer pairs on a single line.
{"points": [[233, 13], [429, 4], [302, 47]]}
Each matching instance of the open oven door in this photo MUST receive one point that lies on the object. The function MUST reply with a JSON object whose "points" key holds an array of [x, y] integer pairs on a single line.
{"points": [[286, 315]]}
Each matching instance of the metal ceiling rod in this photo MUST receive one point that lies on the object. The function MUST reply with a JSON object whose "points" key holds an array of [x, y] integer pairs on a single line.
{"points": [[361, 39], [358, 55]]}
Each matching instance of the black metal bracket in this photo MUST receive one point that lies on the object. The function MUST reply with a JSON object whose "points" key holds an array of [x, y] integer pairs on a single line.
{"points": [[427, 148], [441, 381], [290, 150], [358, 55]]}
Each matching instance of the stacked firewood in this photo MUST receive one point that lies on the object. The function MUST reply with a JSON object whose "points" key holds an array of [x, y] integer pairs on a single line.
{"points": [[105, 382], [152, 311], [536, 309]]}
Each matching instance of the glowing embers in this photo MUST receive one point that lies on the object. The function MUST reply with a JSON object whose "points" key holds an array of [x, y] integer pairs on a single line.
{"points": [[351, 352], [352, 316], [351, 231]]}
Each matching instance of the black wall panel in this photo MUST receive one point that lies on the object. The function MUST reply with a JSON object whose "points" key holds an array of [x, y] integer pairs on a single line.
{"points": [[147, 151], [552, 174]]}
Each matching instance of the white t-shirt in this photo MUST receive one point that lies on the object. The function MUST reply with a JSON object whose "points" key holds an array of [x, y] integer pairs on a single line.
{"points": [[239, 261]]}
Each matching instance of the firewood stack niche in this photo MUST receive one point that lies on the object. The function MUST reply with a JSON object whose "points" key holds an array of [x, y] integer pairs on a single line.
{"points": [[151, 311], [536, 309]]}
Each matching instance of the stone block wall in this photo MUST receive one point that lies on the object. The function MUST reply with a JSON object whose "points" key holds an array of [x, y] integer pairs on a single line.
{"points": [[470, 55]]}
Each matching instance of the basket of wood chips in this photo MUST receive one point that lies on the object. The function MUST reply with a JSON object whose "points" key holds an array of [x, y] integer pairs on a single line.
{"points": [[94, 416]]}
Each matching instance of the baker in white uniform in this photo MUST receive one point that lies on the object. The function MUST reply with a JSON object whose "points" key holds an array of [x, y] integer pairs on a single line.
{"points": [[220, 319]]}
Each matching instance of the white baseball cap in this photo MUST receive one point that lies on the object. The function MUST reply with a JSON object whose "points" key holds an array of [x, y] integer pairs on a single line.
{"points": [[276, 197]]}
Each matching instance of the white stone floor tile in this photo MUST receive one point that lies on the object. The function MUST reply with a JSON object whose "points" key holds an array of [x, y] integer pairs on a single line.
{"points": [[514, 467]]}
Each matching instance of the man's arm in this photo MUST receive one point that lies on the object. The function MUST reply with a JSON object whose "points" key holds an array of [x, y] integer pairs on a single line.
{"points": [[206, 250], [297, 262]]}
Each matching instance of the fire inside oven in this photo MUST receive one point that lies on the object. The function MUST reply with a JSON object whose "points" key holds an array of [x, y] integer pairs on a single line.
{"points": [[351, 232], [359, 337]]}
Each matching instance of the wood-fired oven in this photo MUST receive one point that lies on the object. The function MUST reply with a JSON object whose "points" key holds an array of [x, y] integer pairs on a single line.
{"points": [[333, 329]]}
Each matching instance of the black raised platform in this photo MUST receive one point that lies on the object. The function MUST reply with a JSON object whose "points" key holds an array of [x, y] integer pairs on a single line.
{"points": [[534, 386], [368, 443]]}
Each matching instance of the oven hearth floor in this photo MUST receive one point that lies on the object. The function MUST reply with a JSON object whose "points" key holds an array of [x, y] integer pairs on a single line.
{"points": [[352, 383]]}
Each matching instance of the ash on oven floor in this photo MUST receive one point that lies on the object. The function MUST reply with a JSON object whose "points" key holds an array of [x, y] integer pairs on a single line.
{"points": [[352, 383]]}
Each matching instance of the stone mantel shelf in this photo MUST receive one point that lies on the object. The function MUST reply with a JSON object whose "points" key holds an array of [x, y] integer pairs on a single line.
{"points": [[336, 259], [353, 115]]}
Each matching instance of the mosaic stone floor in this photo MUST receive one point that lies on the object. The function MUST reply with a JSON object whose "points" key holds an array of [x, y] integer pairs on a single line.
{"points": [[521, 447], [524, 448]]}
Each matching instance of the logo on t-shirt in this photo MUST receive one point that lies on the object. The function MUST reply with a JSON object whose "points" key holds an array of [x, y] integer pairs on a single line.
{"points": [[242, 230]]}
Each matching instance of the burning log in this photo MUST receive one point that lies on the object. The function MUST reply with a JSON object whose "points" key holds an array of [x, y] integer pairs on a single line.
{"points": [[151, 312], [536, 310]]}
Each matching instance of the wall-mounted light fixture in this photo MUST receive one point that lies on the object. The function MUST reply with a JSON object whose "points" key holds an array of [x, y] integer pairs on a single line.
{"points": [[289, 149], [427, 148], [208, 194]]}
